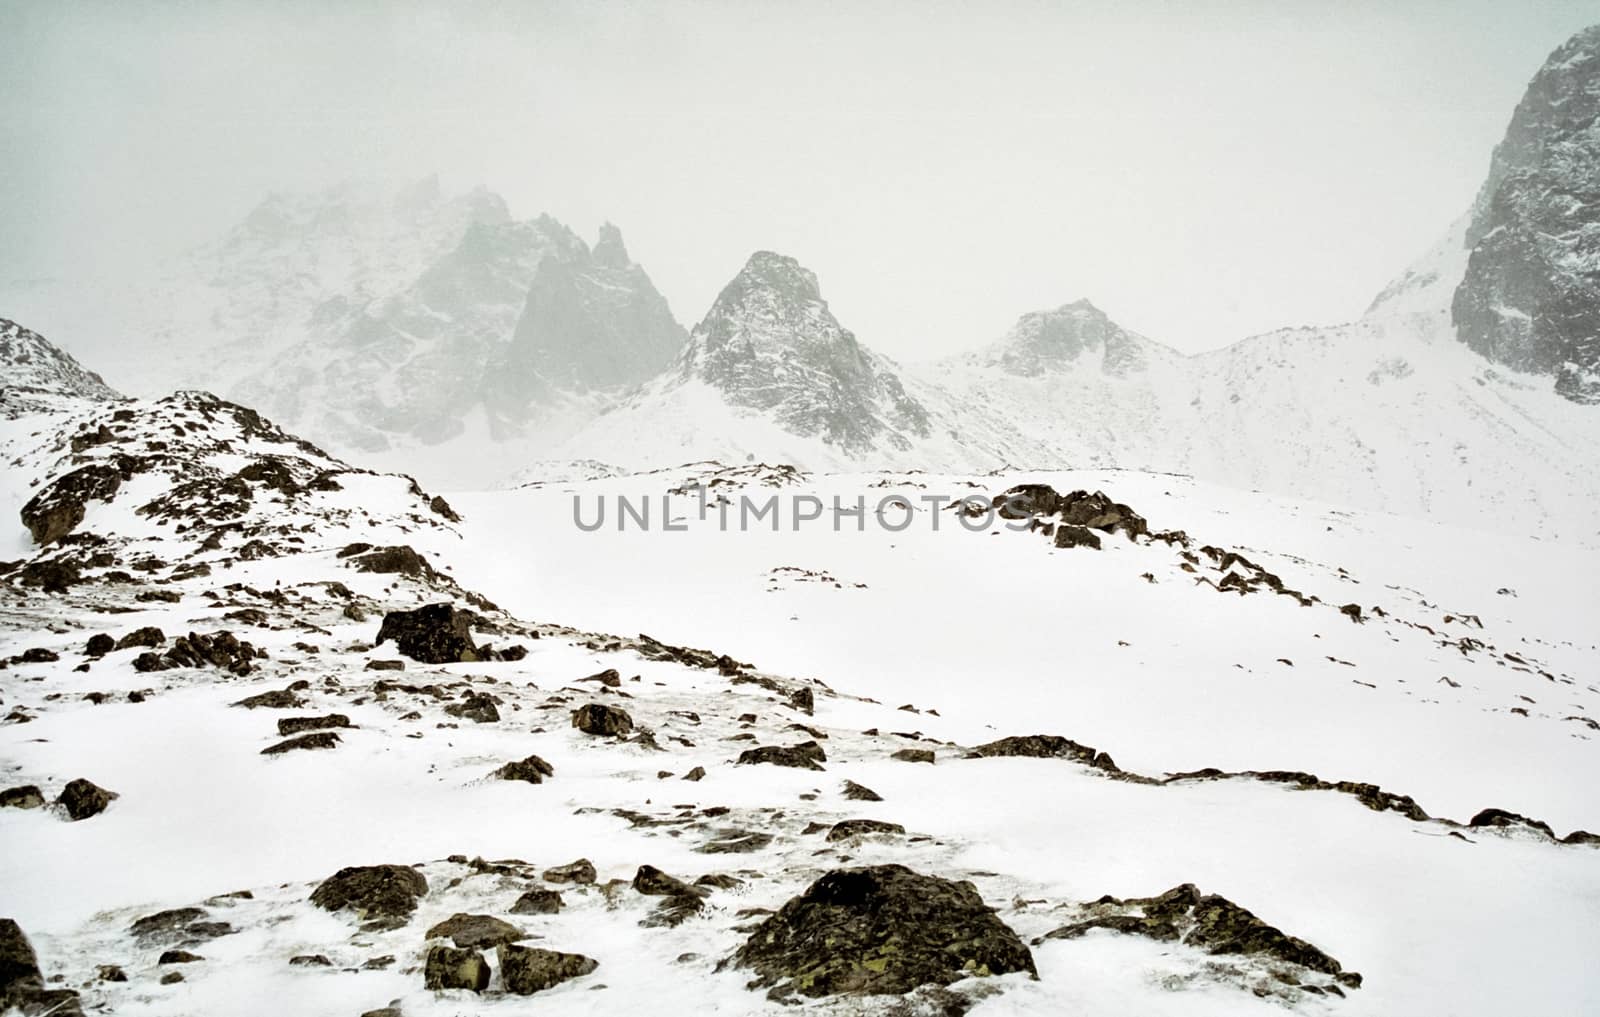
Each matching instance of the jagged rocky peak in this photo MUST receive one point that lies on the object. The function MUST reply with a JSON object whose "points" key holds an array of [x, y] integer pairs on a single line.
{"points": [[32, 367], [1043, 341], [1531, 295], [592, 319], [770, 343], [609, 250]]}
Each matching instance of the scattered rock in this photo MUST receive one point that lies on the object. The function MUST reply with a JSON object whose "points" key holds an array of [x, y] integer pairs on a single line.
{"points": [[881, 929], [310, 960], [581, 872], [600, 719], [383, 894], [449, 967], [533, 770], [476, 931], [1076, 536], [435, 634], [178, 925], [914, 755], [297, 725], [805, 756], [179, 957], [149, 636], [277, 699], [1208, 922], [525, 970], [538, 902], [83, 798], [849, 828], [99, 645], [26, 796], [477, 707], [695, 774], [858, 793], [314, 740]]}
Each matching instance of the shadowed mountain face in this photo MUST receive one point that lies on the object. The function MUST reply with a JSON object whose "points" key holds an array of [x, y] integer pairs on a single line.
{"points": [[1050, 340], [770, 343], [592, 319], [1531, 296]]}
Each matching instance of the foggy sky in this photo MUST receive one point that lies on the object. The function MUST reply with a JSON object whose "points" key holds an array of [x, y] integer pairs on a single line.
{"points": [[1202, 171]]}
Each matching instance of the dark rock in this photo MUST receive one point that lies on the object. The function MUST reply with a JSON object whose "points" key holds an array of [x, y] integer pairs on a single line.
{"points": [[477, 707], [1208, 922], [611, 678], [314, 740], [178, 925], [849, 828], [581, 872], [1352, 611], [278, 699], [449, 967], [25, 796], [476, 931], [401, 560], [858, 793], [435, 634], [533, 770], [58, 508], [147, 636], [883, 929], [1500, 818], [600, 719], [737, 843], [111, 973], [82, 799], [652, 882], [298, 725], [172, 978], [310, 960], [1076, 536], [914, 755], [385, 894], [99, 645], [537, 902], [803, 700], [385, 665], [525, 970], [20, 978], [805, 756], [695, 774], [179, 957]]}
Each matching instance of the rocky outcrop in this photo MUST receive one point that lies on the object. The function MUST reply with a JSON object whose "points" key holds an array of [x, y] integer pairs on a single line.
{"points": [[881, 929], [435, 634], [770, 343], [602, 720], [525, 970], [22, 984], [1531, 295], [83, 798], [384, 896], [1218, 926]]}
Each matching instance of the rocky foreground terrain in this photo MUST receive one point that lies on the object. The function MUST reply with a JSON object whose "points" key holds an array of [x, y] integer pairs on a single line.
{"points": [[267, 748]]}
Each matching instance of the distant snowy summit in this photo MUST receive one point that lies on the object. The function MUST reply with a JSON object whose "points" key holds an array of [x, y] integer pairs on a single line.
{"points": [[770, 343], [510, 324], [1530, 298], [33, 371]]}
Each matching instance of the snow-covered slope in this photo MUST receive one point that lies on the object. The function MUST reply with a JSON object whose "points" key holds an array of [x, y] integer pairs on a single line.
{"points": [[1328, 758]]}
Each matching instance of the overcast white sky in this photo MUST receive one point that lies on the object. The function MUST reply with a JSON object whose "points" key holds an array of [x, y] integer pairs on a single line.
{"points": [[1202, 171]]}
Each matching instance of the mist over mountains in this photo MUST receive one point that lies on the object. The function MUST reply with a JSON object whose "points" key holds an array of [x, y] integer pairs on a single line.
{"points": [[438, 333]]}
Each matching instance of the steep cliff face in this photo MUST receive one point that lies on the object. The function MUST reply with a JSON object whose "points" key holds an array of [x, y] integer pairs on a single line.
{"points": [[770, 343], [1531, 295], [592, 319]]}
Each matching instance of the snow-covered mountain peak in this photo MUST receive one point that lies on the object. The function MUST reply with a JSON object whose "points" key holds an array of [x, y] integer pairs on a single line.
{"points": [[1060, 338], [32, 368], [1530, 298]]}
